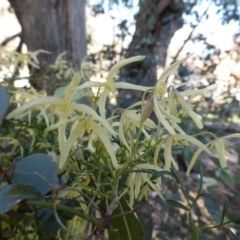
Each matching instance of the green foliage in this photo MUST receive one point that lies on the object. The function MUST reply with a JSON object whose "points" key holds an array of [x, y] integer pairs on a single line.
{"points": [[11, 195], [88, 175], [38, 170], [127, 226], [4, 101]]}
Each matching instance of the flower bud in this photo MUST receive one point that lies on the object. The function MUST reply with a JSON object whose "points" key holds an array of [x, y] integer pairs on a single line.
{"points": [[147, 110]]}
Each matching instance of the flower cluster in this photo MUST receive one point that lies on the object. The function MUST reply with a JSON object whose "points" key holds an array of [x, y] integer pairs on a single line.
{"points": [[129, 142]]}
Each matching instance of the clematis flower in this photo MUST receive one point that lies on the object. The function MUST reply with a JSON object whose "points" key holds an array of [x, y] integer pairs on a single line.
{"points": [[61, 66], [139, 183], [65, 108], [169, 141], [186, 109], [29, 58], [160, 89], [218, 144], [129, 121], [111, 86], [90, 125]]}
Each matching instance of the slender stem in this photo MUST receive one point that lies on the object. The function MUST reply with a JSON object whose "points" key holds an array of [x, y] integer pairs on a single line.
{"points": [[64, 208], [125, 223], [204, 133], [220, 225]]}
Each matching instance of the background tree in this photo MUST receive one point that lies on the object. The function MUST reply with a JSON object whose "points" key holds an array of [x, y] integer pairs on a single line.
{"points": [[54, 26]]}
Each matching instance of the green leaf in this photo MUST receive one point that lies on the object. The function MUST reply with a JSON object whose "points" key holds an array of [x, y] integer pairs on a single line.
{"points": [[46, 218], [232, 235], [177, 204], [24, 172], [4, 102], [224, 175], [208, 195], [13, 194], [195, 235], [160, 174], [144, 215], [132, 225], [213, 209], [225, 207], [210, 181]]}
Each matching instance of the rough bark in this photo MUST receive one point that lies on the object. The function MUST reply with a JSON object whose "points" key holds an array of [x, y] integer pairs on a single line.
{"points": [[156, 23], [53, 25]]}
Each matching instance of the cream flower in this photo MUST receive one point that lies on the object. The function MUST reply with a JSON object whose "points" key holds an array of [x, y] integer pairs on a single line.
{"points": [[110, 85], [84, 125], [139, 182], [129, 121], [169, 141], [65, 108], [218, 144], [160, 89]]}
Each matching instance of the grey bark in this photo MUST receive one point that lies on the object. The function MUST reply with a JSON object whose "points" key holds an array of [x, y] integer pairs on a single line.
{"points": [[53, 25], [156, 23]]}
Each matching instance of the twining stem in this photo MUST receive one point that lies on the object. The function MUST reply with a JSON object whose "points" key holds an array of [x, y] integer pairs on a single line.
{"points": [[64, 208]]}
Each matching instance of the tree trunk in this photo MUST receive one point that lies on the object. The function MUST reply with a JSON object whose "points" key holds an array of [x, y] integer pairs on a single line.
{"points": [[156, 23], [53, 25]]}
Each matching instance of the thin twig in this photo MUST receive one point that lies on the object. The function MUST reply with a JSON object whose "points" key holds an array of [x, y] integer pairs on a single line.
{"points": [[126, 213], [190, 35], [4, 43]]}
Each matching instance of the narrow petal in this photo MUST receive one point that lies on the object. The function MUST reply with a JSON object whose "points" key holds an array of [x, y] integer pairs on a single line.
{"points": [[136, 117], [102, 102], [125, 85], [137, 185], [90, 84], [149, 166], [120, 64], [106, 142], [175, 125], [168, 152], [235, 135], [221, 152], [194, 93], [33, 103], [71, 88], [193, 160], [86, 109], [194, 141], [162, 120], [156, 153], [167, 114], [168, 71], [78, 132], [121, 135], [181, 100], [57, 125], [195, 117]]}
